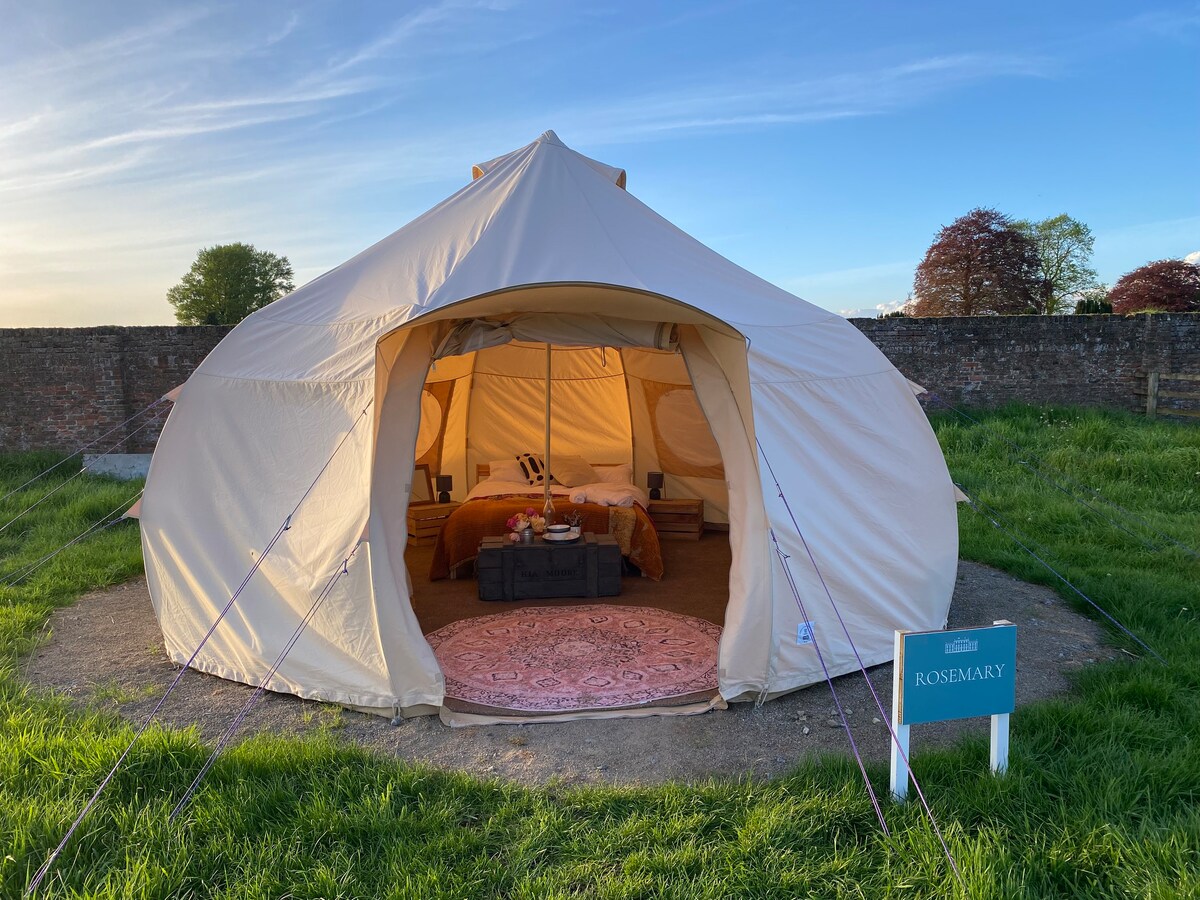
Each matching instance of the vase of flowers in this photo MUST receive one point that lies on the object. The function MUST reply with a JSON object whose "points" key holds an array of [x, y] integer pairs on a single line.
{"points": [[524, 525]]}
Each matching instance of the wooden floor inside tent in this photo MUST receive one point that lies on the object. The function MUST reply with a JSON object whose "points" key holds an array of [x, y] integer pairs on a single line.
{"points": [[695, 583]]}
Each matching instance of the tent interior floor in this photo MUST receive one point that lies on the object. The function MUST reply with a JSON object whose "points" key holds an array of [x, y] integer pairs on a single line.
{"points": [[695, 582]]}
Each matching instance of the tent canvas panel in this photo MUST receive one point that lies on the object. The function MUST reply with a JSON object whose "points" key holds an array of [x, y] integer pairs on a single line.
{"points": [[203, 538]]}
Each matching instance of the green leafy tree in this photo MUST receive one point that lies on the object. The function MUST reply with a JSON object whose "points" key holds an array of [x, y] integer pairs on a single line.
{"points": [[228, 282], [1064, 248]]}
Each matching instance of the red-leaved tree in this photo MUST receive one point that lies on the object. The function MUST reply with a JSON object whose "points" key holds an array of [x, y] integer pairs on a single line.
{"points": [[1168, 285], [980, 264]]}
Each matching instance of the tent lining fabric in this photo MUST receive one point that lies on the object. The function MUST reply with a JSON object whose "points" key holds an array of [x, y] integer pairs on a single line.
{"points": [[451, 310], [557, 379]]}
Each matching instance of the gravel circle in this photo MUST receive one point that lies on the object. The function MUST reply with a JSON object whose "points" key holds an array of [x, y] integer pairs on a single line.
{"points": [[106, 651]]}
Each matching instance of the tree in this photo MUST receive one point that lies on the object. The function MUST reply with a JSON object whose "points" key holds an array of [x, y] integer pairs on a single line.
{"points": [[979, 265], [228, 282], [1094, 301], [1064, 251], [1168, 285]]}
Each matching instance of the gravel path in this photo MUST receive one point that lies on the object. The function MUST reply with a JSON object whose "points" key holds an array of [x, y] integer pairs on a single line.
{"points": [[106, 650]]}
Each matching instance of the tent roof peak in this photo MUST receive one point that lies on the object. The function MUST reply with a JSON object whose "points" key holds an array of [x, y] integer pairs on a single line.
{"points": [[549, 139]]}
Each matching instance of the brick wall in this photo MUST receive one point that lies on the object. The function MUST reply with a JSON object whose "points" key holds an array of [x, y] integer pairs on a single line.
{"points": [[63, 387], [1064, 360]]}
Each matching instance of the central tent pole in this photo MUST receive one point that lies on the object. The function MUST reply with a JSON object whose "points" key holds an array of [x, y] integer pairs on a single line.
{"points": [[548, 508]]}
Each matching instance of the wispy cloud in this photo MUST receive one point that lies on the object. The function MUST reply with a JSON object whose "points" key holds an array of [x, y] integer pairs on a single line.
{"points": [[173, 85], [839, 95], [67, 176], [137, 137], [400, 33], [1172, 24], [332, 90], [198, 127], [284, 30]]}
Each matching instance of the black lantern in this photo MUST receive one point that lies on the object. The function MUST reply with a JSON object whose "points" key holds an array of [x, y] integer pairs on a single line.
{"points": [[445, 484], [655, 481]]}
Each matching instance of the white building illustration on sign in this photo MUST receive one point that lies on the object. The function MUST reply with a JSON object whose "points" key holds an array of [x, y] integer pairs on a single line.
{"points": [[962, 645]]}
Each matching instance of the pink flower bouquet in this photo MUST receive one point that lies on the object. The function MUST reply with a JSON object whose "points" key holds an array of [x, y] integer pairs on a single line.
{"points": [[522, 520]]}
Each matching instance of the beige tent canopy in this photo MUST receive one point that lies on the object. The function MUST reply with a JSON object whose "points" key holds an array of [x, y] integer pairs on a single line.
{"points": [[430, 346]]}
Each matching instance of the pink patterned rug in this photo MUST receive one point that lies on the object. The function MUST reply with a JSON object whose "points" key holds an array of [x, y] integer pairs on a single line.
{"points": [[558, 659]]}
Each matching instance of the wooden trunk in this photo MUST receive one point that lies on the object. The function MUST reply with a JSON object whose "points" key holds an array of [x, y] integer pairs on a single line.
{"points": [[588, 567]]}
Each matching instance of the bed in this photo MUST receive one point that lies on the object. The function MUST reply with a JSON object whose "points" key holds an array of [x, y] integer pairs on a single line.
{"points": [[605, 507]]}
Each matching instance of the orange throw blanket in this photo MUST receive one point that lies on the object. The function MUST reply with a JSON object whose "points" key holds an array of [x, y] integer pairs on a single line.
{"points": [[459, 539]]}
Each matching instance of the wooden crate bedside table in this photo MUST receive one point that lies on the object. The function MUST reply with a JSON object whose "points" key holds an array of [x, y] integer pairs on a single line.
{"points": [[678, 519], [425, 521]]}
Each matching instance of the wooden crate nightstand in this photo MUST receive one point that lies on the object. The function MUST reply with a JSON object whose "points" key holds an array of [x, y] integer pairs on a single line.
{"points": [[425, 521], [678, 519]]}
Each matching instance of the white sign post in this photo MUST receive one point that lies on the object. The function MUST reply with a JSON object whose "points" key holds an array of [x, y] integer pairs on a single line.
{"points": [[999, 755], [952, 675], [900, 741]]}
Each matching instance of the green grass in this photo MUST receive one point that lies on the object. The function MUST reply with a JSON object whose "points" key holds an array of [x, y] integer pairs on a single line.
{"points": [[1101, 799]]}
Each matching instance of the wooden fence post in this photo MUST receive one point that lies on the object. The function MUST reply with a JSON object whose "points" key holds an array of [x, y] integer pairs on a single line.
{"points": [[1151, 395]]}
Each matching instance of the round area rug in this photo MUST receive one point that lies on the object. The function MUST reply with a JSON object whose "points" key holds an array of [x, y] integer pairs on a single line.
{"points": [[555, 658]]}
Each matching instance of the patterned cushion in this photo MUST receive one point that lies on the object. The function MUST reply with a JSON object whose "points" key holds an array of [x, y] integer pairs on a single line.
{"points": [[533, 468]]}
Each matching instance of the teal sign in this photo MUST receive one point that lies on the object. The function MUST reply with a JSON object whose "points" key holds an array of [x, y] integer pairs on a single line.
{"points": [[957, 674]]}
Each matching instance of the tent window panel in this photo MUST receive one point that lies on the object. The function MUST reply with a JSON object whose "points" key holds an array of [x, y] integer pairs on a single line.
{"points": [[682, 437]]}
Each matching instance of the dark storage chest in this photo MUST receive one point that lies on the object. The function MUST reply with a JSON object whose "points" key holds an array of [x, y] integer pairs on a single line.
{"points": [[588, 567]]}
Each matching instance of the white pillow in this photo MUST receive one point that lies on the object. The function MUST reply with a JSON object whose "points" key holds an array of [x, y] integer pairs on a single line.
{"points": [[505, 470], [572, 471], [621, 474]]}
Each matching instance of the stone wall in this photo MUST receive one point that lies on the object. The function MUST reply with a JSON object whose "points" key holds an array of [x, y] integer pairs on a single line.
{"points": [[1064, 360], [61, 388]]}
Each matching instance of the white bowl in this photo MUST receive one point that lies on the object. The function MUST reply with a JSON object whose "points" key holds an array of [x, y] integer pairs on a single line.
{"points": [[558, 529]]}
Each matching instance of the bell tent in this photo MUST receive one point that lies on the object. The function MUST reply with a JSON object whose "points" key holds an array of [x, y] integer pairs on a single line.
{"points": [[433, 346]]}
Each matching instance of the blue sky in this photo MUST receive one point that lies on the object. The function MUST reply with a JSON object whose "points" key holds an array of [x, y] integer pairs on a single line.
{"points": [[821, 146]]}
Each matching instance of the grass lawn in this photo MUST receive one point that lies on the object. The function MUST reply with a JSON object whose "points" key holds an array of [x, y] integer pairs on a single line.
{"points": [[1102, 798]]}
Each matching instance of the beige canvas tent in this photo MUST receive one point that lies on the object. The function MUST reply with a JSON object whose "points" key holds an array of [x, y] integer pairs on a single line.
{"points": [[430, 345]]}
